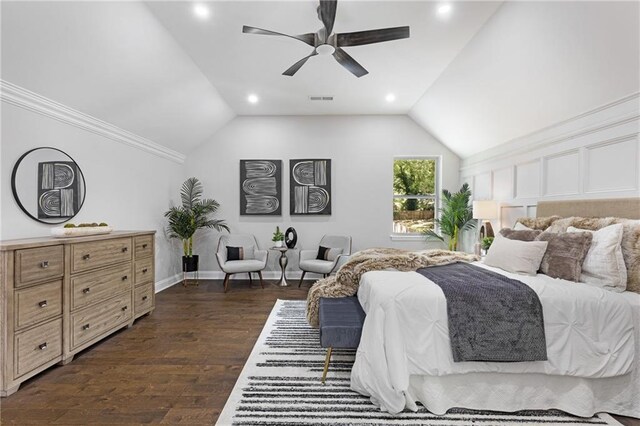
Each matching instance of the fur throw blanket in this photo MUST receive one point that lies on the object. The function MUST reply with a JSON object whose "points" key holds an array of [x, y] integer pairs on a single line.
{"points": [[346, 281]]}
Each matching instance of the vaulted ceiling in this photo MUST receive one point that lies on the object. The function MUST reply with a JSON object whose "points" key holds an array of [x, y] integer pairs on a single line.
{"points": [[476, 77], [239, 64]]}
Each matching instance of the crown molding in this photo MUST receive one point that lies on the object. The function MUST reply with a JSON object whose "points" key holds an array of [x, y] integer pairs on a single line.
{"points": [[23, 98]]}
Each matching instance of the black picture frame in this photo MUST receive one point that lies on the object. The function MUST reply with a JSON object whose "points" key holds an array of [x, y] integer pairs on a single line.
{"points": [[260, 187], [310, 187], [77, 203]]}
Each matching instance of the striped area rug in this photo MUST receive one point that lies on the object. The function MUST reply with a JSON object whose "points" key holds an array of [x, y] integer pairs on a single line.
{"points": [[280, 385]]}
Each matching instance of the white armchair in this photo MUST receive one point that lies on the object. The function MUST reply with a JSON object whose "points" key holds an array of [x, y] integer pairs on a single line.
{"points": [[256, 263], [309, 262]]}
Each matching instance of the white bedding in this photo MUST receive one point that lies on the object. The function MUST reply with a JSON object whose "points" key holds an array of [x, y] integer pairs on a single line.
{"points": [[589, 333]]}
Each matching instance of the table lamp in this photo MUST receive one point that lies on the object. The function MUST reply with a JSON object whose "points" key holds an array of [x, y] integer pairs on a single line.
{"points": [[485, 210]]}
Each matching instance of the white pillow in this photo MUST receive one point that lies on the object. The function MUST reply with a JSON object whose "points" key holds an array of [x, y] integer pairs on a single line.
{"points": [[520, 227], [604, 265], [520, 257]]}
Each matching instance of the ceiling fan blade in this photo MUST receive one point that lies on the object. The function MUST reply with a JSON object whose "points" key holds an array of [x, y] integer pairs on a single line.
{"points": [[360, 38], [327, 13], [309, 38], [349, 63], [295, 67]]}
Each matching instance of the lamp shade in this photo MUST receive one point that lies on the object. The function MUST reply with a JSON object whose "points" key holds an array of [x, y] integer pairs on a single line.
{"points": [[485, 209]]}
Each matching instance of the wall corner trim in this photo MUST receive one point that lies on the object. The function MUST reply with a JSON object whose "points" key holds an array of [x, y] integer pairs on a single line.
{"points": [[23, 98]]}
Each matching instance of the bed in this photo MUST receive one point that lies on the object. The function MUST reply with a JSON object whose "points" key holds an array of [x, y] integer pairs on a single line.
{"points": [[593, 343]]}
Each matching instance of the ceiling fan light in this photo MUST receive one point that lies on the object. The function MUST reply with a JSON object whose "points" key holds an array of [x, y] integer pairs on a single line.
{"points": [[325, 49]]}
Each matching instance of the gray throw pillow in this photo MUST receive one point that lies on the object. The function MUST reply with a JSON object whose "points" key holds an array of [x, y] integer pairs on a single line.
{"points": [[565, 254], [520, 235]]}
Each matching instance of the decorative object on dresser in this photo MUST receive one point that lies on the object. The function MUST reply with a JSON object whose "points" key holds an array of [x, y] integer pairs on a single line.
{"points": [[62, 295], [261, 187], [456, 216], [81, 230], [310, 187], [186, 219], [59, 192]]}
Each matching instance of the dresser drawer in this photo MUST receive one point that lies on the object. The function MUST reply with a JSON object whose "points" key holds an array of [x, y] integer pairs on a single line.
{"points": [[38, 264], [37, 346], [91, 255], [144, 270], [38, 303], [94, 321], [144, 246], [99, 285], [143, 298]]}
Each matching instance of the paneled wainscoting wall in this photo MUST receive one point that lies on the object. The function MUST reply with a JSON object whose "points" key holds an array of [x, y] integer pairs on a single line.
{"points": [[593, 155]]}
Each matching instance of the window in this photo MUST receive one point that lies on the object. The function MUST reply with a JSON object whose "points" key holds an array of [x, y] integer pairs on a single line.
{"points": [[415, 194]]}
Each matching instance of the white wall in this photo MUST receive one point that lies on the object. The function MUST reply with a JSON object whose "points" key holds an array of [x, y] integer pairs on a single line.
{"points": [[126, 187], [592, 155], [115, 61], [361, 149], [533, 64]]}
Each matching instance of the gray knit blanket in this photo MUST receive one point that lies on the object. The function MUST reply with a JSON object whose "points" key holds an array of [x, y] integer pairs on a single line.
{"points": [[491, 317]]}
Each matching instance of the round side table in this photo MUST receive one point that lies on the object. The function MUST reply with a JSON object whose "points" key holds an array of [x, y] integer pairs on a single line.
{"points": [[283, 265]]}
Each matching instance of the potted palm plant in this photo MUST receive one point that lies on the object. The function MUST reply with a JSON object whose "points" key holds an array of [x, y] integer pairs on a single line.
{"points": [[456, 215], [193, 214]]}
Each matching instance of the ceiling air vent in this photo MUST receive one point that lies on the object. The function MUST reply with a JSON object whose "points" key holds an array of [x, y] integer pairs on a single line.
{"points": [[320, 98]]}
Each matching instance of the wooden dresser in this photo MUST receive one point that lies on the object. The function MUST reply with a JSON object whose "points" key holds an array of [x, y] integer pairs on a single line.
{"points": [[60, 295]]}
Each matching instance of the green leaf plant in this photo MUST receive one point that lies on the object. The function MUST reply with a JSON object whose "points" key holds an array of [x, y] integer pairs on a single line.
{"points": [[193, 214], [456, 216]]}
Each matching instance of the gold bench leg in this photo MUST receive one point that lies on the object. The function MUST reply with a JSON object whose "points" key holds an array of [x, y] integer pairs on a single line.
{"points": [[326, 364]]}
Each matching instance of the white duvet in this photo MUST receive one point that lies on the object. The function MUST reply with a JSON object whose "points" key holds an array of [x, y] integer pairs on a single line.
{"points": [[589, 334]]}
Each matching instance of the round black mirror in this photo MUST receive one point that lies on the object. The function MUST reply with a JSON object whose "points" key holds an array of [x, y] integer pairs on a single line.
{"points": [[48, 185]]}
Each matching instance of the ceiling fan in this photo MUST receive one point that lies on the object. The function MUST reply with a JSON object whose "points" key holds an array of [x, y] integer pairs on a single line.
{"points": [[325, 42]]}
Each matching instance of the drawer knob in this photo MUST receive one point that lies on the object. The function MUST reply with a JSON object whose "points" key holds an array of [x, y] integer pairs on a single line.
{"points": [[86, 290], [145, 297], [144, 271], [125, 249], [43, 304], [85, 327], [124, 308], [125, 278], [44, 264], [86, 257], [43, 346], [144, 246]]}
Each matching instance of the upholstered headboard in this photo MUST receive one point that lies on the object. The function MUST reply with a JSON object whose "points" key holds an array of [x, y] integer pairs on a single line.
{"points": [[628, 208]]}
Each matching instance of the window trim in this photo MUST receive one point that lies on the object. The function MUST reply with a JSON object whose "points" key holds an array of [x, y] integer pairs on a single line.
{"points": [[396, 236]]}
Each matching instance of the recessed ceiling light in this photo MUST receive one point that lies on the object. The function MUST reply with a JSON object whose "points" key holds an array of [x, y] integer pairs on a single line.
{"points": [[444, 9], [253, 99], [390, 97], [201, 11]]}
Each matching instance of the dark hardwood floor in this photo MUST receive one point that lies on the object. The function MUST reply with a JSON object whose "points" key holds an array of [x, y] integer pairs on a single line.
{"points": [[176, 366]]}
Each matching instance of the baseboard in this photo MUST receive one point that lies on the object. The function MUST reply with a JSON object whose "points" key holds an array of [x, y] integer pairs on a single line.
{"points": [[267, 275], [219, 275], [168, 282]]}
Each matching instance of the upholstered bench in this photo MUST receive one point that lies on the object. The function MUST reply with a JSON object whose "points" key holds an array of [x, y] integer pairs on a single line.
{"points": [[341, 321]]}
